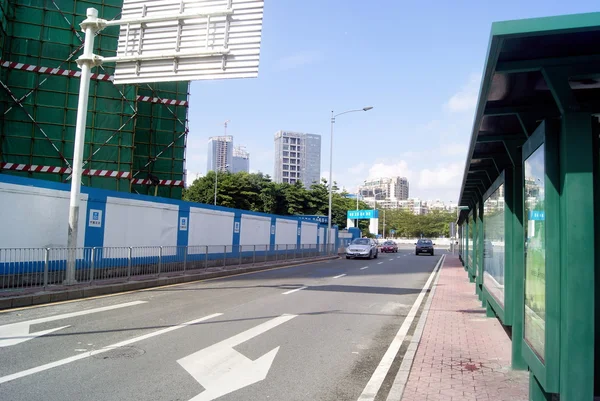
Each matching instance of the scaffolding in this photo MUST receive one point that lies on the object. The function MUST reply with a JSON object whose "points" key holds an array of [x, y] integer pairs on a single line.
{"points": [[136, 134]]}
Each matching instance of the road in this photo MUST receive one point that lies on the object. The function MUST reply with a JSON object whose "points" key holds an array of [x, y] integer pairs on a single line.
{"points": [[309, 332]]}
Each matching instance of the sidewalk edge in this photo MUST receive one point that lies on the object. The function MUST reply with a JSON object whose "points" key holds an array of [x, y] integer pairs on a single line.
{"points": [[399, 384]]}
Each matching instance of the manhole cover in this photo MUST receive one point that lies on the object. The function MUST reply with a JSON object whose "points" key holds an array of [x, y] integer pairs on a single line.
{"points": [[121, 353]]}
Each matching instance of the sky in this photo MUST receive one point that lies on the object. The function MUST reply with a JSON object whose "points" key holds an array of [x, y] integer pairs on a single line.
{"points": [[418, 63]]}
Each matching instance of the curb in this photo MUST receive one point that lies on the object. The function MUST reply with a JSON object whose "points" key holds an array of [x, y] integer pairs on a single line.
{"points": [[41, 298], [399, 384]]}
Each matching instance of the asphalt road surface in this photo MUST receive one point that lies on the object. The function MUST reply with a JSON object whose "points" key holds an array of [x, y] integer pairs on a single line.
{"points": [[310, 332]]}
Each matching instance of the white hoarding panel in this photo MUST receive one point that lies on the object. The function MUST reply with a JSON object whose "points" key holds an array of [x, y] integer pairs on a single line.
{"points": [[210, 227], [132, 222], [33, 217], [204, 39], [255, 230], [286, 232], [309, 234]]}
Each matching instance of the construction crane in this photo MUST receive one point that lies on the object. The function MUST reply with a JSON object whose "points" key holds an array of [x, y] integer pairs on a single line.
{"points": [[225, 125]]}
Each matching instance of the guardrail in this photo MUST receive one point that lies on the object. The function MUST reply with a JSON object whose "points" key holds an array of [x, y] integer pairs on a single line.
{"points": [[42, 267]]}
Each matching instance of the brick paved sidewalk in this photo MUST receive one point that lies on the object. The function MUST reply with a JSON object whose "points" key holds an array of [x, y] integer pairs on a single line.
{"points": [[462, 355]]}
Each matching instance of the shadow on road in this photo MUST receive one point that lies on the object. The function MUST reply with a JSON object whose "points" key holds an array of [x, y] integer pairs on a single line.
{"points": [[208, 322]]}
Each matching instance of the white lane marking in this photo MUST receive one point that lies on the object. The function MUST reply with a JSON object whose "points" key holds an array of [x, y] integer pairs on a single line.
{"points": [[220, 369], [16, 333], [74, 358], [379, 263], [294, 290], [372, 388], [341, 275], [363, 268]]}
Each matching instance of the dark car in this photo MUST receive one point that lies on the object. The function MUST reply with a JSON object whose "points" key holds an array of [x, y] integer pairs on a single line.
{"points": [[389, 246], [424, 246]]}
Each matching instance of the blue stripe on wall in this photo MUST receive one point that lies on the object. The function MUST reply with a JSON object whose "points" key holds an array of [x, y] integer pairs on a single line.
{"points": [[95, 221], [273, 230], [299, 236], [237, 229], [183, 223]]}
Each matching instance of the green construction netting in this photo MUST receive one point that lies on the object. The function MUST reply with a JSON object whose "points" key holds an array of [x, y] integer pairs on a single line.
{"points": [[150, 142]]}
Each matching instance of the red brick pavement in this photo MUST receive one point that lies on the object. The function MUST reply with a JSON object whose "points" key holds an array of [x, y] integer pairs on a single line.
{"points": [[462, 355]]}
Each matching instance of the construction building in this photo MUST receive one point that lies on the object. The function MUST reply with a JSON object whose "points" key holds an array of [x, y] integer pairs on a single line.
{"points": [[220, 153], [136, 134], [241, 160], [382, 190]]}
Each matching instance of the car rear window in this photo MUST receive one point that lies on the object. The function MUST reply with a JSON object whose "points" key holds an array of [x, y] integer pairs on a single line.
{"points": [[424, 242]]}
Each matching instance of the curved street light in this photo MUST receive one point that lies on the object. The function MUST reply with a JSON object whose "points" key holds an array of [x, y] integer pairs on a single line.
{"points": [[333, 116]]}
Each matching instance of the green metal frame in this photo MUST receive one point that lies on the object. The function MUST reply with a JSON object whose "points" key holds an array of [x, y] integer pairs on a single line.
{"points": [[479, 251], [547, 371], [577, 257]]}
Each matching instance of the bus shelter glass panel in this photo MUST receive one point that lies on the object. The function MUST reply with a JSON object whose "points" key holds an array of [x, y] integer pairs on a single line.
{"points": [[470, 243], [535, 252], [493, 245]]}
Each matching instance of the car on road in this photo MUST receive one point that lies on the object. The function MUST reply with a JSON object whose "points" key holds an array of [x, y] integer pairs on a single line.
{"points": [[362, 248], [389, 246], [424, 245]]}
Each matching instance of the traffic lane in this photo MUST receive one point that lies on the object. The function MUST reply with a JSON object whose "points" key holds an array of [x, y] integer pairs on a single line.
{"points": [[338, 336], [162, 307]]}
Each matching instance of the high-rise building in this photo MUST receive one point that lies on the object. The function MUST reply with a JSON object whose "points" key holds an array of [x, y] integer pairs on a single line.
{"points": [[385, 190], [220, 153], [241, 160], [297, 158]]}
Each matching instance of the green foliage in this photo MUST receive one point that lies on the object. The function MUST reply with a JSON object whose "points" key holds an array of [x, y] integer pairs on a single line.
{"points": [[258, 193], [406, 224]]}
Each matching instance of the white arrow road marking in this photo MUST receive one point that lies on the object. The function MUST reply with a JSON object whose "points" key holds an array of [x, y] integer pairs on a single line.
{"points": [[379, 263], [70, 359], [16, 333], [292, 291], [341, 275], [363, 268], [221, 370]]}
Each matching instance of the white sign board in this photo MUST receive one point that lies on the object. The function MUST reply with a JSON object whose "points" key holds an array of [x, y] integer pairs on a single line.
{"points": [[186, 40], [95, 218]]}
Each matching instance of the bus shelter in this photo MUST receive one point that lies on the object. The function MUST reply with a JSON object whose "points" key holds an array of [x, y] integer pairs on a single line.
{"points": [[530, 191]]}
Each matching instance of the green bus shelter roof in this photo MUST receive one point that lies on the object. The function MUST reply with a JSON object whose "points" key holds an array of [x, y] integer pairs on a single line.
{"points": [[535, 69]]}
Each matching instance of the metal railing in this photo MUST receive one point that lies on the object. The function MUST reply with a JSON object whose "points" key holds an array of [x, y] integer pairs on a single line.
{"points": [[22, 268]]}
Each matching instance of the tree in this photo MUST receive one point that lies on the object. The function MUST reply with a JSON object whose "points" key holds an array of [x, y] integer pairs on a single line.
{"points": [[258, 193]]}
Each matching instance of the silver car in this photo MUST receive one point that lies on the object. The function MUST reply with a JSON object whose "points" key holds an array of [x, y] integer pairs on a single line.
{"points": [[362, 248]]}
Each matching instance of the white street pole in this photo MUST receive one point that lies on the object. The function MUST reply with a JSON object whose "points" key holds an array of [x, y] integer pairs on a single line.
{"points": [[330, 180], [331, 163], [357, 192], [85, 62], [384, 223]]}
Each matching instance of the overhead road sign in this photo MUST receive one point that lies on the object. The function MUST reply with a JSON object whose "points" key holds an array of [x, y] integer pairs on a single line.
{"points": [[363, 214], [164, 41], [185, 40]]}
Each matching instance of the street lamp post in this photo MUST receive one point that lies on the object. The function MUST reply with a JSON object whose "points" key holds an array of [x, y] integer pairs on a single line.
{"points": [[333, 116], [217, 181]]}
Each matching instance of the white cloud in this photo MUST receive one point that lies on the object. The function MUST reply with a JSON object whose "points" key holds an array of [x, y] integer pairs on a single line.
{"points": [[191, 177], [443, 177], [465, 99], [400, 168], [358, 169]]}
